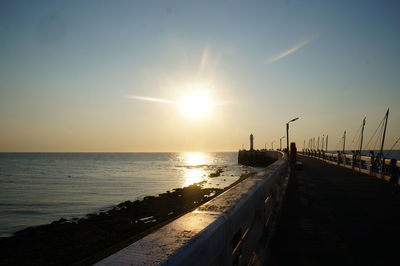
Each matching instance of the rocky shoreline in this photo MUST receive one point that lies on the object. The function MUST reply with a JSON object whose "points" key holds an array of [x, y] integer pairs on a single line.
{"points": [[84, 241]]}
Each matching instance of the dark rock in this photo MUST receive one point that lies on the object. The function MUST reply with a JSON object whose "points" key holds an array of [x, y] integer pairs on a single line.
{"points": [[66, 242]]}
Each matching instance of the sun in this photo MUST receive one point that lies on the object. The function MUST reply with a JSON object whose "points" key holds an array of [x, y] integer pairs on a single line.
{"points": [[196, 103]]}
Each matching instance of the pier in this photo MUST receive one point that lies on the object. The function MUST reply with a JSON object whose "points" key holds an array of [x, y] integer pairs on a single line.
{"points": [[327, 212], [337, 216]]}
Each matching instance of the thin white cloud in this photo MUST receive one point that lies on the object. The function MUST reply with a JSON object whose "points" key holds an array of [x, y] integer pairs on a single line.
{"points": [[288, 52], [151, 99], [158, 100], [205, 58]]}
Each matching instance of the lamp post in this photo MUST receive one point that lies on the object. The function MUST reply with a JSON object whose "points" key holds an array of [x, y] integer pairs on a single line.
{"points": [[280, 142], [272, 144], [287, 133]]}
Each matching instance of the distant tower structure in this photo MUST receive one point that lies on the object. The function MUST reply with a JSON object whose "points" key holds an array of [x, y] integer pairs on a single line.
{"points": [[251, 142]]}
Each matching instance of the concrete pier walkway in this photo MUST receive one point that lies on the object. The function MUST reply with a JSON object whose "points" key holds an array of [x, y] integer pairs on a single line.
{"points": [[336, 216]]}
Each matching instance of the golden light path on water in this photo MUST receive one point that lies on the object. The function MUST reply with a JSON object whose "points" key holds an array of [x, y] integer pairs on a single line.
{"points": [[194, 171]]}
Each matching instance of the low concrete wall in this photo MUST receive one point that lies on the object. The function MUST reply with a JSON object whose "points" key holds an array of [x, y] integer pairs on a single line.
{"points": [[274, 155], [224, 231]]}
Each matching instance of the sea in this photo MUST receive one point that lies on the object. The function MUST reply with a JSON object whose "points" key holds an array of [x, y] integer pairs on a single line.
{"points": [[38, 188]]}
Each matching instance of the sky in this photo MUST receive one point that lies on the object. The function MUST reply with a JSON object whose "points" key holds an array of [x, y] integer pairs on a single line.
{"points": [[113, 76]]}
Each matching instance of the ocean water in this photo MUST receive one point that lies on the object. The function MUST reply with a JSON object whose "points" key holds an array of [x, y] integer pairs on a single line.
{"points": [[38, 188]]}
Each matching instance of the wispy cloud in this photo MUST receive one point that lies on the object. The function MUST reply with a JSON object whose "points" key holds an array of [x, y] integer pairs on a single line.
{"points": [[205, 58], [151, 99], [159, 100], [288, 52]]}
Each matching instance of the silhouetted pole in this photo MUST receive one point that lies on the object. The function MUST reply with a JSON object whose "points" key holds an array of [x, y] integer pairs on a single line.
{"points": [[383, 142], [362, 136], [251, 142], [272, 144], [384, 131], [326, 147], [323, 142], [280, 142], [287, 138], [344, 141], [287, 133]]}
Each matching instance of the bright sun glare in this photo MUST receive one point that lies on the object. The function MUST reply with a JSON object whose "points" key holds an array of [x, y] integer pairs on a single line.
{"points": [[196, 103], [194, 171]]}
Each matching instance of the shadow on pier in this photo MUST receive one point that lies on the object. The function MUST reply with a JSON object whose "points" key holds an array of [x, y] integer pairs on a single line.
{"points": [[336, 216]]}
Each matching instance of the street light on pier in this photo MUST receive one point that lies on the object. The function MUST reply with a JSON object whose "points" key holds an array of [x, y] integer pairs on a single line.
{"points": [[287, 133], [280, 142], [272, 144]]}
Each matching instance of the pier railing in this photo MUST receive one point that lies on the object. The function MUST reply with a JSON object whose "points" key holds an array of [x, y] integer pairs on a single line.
{"points": [[228, 230], [378, 167]]}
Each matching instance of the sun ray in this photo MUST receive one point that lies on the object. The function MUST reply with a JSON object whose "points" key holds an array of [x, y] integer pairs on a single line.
{"points": [[195, 103], [151, 99]]}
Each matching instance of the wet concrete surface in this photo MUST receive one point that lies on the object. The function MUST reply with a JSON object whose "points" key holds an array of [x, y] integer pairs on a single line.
{"points": [[336, 216]]}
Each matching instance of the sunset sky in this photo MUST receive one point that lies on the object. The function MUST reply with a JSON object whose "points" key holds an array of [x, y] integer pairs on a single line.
{"points": [[132, 76]]}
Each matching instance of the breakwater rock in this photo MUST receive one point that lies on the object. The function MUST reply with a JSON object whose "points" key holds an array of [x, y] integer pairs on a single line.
{"points": [[83, 241]]}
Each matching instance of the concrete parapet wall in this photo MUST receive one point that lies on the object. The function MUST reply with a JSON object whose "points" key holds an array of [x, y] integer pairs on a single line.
{"points": [[224, 231]]}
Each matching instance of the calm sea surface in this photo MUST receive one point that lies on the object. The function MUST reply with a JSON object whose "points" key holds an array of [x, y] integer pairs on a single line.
{"points": [[38, 188]]}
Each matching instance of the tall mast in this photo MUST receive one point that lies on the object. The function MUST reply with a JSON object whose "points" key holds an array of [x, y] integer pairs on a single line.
{"points": [[384, 131], [326, 147], [362, 134], [344, 140], [318, 144]]}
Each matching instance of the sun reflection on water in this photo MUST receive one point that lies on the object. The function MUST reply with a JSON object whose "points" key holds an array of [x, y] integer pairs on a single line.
{"points": [[194, 171], [195, 159]]}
